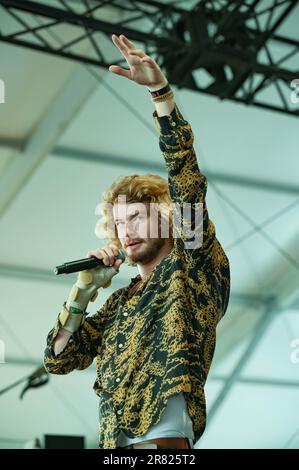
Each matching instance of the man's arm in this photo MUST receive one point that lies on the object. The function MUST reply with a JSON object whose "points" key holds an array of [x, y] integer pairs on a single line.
{"points": [[187, 184], [61, 340], [164, 108], [66, 351], [74, 340]]}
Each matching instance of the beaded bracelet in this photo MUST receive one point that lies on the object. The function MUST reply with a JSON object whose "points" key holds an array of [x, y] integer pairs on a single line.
{"points": [[164, 94], [165, 97]]}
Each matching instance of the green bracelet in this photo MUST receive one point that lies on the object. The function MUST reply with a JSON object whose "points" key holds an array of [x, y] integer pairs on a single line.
{"points": [[73, 309]]}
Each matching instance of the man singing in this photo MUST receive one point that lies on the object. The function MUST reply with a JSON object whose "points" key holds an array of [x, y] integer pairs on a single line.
{"points": [[155, 338]]}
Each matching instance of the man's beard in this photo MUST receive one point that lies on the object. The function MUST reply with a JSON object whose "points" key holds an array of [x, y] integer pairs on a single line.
{"points": [[147, 251]]}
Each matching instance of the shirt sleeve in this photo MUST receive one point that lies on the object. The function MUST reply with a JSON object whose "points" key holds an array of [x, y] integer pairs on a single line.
{"points": [[187, 185], [82, 346]]}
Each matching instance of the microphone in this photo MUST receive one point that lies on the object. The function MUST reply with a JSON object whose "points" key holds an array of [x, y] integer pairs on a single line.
{"points": [[85, 263]]}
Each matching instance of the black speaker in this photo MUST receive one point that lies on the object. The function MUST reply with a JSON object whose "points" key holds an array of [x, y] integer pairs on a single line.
{"points": [[54, 441]]}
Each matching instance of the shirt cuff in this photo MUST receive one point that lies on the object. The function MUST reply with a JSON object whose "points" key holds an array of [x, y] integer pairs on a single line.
{"points": [[171, 122]]}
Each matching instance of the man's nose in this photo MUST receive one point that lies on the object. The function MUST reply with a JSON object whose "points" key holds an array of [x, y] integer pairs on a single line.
{"points": [[130, 229]]}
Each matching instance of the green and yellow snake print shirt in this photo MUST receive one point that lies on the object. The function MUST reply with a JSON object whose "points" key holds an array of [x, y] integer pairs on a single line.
{"points": [[159, 339]]}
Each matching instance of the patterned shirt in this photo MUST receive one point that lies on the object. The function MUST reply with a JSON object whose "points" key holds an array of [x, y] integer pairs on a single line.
{"points": [[159, 339]]}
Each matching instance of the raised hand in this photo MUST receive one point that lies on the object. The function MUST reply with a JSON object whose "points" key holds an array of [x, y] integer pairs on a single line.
{"points": [[142, 68]]}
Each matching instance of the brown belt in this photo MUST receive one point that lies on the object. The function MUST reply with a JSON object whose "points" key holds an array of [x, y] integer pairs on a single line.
{"points": [[163, 443]]}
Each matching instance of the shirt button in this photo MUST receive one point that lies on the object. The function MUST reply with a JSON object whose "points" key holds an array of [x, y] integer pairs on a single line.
{"points": [[173, 124], [125, 314], [119, 412], [120, 345], [118, 379]]}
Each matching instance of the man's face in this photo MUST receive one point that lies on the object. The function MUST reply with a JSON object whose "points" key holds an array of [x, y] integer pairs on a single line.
{"points": [[138, 230]]}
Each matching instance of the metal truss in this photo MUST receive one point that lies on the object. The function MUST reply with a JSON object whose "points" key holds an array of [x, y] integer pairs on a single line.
{"points": [[229, 49]]}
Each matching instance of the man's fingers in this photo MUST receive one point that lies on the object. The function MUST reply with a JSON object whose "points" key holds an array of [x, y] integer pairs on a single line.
{"points": [[111, 256], [117, 263], [139, 52], [148, 59], [120, 45], [134, 60], [120, 71], [104, 254], [126, 41], [114, 249]]}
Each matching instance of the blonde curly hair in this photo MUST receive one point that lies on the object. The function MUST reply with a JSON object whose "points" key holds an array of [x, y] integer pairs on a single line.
{"points": [[146, 188]]}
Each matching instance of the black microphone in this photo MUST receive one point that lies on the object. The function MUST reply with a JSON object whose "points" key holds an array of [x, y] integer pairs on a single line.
{"points": [[85, 263]]}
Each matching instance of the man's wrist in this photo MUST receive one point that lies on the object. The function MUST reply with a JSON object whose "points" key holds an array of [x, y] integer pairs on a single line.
{"points": [[163, 99], [158, 86], [80, 296], [70, 321], [72, 309]]}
